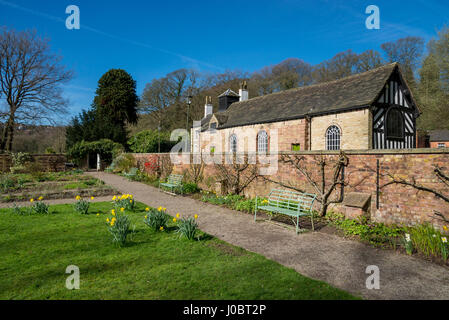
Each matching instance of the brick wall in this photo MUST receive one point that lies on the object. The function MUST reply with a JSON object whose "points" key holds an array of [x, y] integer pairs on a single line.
{"points": [[48, 162], [437, 144], [397, 203]]}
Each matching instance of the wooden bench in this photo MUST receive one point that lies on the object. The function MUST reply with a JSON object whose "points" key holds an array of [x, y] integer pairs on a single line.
{"points": [[174, 181], [291, 203]]}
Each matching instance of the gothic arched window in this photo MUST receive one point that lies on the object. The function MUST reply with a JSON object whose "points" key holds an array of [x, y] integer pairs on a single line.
{"points": [[333, 138], [262, 142], [233, 143]]}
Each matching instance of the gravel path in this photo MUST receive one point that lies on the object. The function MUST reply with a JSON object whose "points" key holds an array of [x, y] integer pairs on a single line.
{"points": [[337, 261]]}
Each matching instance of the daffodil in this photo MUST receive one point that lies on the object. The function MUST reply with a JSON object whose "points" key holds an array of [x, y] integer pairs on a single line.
{"points": [[112, 223], [146, 217], [31, 200], [98, 214], [114, 197], [177, 215], [40, 198], [107, 219], [122, 209], [113, 211], [130, 201], [174, 219], [92, 198], [78, 198], [444, 239], [147, 209], [195, 216], [159, 209], [444, 228], [161, 228]]}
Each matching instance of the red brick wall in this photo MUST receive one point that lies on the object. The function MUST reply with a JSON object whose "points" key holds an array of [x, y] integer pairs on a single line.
{"points": [[397, 203], [48, 162], [435, 144]]}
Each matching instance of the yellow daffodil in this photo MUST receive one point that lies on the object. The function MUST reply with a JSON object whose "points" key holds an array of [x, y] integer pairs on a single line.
{"points": [[114, 197], [130, 201], [31, 200], [161, 228], [195, 216], [78, 198], [444, 228], [112, 223], [40, 198], [174, 219], [147, 209], [165, 209], [98, 214], [146, 217], [177, 215], [113, 211], [92, 198], [131, 196], [122, 209], [107, 219], [159, 209]]}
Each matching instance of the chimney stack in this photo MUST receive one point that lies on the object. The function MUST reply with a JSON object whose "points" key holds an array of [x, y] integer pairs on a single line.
{"points": [[208, 108], [243, 91]]}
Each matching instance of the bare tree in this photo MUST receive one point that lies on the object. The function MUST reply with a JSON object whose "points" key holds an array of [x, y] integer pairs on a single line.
{"points": [[316, 177], [30, 82], [238, 175], [443, 178]]}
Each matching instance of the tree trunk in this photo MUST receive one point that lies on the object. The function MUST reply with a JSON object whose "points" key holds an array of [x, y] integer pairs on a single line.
{"points": [[7, 135]]}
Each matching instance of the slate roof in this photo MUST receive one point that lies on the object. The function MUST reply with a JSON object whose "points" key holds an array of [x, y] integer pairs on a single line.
{"points": [[356, 91], [439, 135]]}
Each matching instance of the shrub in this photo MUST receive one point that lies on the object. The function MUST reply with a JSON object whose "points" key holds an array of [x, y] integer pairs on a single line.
{"points": [[190, 188], [125, 201], [123, 163], [156, 218], [81, 206], [7, 182], [119, 225], [426, 239], [39, 207], [147, 141], [107, 149], [16, 209], [187, 227], [20, 158]]}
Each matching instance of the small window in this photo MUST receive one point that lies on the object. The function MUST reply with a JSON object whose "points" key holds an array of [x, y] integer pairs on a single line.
{"points": [[213, 127], [262, 142], [233, 143], [296, 147], [441, 145], [395, 124], [333, 138]]}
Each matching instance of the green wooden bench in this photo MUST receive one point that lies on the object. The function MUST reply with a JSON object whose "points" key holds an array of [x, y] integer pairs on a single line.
{"points": [[174, 181], [291, 203], [131, 173]]}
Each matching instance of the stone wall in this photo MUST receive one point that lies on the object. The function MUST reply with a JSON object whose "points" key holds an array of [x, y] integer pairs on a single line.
{"points": [[48, 162], [355, 130], [397, 203]]}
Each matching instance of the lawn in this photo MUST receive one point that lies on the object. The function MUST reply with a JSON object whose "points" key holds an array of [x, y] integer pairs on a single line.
{"points": [[50, 185], [36, 249]]}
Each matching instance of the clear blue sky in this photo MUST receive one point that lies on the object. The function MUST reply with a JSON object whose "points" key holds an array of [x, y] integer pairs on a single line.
{"points": [[151, 38]]}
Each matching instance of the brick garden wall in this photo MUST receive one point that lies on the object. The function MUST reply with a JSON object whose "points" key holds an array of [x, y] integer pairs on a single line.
{"points": [[397, 203], [48, 162]]}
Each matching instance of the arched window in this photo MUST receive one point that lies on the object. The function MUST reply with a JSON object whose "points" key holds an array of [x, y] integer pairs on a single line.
{"points": [[233, 143], [333, 138], [395, 124], [262, 142]]}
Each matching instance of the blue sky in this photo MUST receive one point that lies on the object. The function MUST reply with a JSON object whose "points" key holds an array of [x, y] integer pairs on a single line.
{"points": [[152, 38]]}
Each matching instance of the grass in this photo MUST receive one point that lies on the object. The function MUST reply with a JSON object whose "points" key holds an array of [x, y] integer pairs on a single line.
{"points": [[36, 249]]}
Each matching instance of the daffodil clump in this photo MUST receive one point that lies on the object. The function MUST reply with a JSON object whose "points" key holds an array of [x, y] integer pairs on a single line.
{"points": [[444, 248], [81, 205], [124, 201], [408, 244], [187, 227], [119, 225], [156, 219], [38, 206]]}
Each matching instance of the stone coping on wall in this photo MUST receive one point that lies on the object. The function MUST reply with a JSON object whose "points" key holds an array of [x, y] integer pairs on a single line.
{"points": [[327, 152]]}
